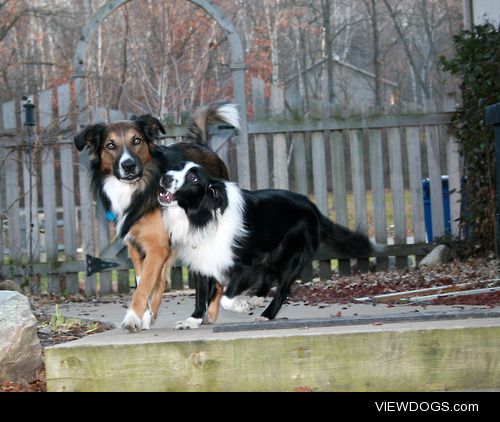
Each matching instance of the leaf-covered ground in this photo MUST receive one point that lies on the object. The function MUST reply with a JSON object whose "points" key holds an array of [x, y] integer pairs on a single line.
{"points": [[344, 289]]}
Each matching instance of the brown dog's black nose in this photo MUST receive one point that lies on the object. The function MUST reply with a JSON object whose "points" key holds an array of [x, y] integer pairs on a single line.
{"points": [[128, 165]]}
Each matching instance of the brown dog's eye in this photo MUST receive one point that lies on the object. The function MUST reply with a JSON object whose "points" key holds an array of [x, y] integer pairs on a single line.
{"points": [[110, 145], [136, 141]]}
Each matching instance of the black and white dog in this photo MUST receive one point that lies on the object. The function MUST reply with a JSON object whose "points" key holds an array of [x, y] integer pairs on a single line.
{"points": [[248, 240]]}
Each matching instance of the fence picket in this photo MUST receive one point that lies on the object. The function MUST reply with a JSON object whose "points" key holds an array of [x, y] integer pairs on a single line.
{"points": [[50, 211], [30, 204], [397, 188], [300, 162], [337, 158], [2, 205], [454, 184], [320, 188], [378, 191], [415, 180], [260, 141], [64, 106], [435, 173], [69, 213], [280, 153], [358, 188], [9, 115], [12, 197]]}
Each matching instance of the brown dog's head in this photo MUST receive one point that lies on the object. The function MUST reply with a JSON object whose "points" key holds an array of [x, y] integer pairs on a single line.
{"points": [[121, 148]]}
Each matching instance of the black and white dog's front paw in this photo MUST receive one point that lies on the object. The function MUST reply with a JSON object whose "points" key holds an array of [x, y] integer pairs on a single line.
{"points": [[189, 324], [236, 304]]}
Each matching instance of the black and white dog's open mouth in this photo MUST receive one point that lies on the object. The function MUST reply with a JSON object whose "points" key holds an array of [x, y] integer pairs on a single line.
{"points": [[165, 198]]}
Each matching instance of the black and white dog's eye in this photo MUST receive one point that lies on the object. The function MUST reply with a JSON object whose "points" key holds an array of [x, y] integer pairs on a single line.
{"points": [[193, 178]]}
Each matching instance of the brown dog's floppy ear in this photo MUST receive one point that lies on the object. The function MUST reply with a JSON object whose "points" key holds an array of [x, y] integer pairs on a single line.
{"points": [[89, 137], [151, 126]]}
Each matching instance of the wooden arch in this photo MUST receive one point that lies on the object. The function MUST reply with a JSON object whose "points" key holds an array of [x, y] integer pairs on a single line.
{"points": [[237, 67]]}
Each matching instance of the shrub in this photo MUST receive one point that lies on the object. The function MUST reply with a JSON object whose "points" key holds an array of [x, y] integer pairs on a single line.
{"points": [[477, 63]]}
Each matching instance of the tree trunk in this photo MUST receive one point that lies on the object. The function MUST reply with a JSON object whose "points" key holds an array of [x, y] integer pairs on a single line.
{"points": [[326, 8]]}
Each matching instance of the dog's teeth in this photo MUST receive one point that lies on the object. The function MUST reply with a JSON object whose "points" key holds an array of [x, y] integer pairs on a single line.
{"points": [[166, 197]]}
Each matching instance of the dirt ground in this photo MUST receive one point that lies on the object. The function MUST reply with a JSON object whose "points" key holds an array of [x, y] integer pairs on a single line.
{"points": [[54, 329]]}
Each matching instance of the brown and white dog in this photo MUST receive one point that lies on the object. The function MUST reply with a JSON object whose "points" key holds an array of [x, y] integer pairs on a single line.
{"points": [[126, 166]]}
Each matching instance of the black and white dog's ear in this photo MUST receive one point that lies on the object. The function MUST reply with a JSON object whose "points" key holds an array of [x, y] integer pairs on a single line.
{"points": [[151, 126], [217, 194], [90, 137]]}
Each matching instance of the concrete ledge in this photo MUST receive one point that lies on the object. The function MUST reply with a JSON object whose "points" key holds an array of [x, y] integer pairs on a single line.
{"points": [[419, 356]]}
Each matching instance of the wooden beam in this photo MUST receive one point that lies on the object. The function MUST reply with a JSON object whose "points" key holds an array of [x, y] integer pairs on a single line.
{"points": [[417, 356]]}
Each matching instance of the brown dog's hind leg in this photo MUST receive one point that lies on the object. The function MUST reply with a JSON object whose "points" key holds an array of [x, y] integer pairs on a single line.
{"points": [[213, 307], [162, 282]]}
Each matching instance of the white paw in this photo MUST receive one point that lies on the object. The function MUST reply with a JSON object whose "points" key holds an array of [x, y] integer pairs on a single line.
{"points": [[188, 324], [147, 320], [260, 318], [131, 323], [236, 304], [256, 301]]}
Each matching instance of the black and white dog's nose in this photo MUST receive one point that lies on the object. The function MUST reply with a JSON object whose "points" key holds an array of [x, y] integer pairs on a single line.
{"points": [[166, 181], [128, 165]]}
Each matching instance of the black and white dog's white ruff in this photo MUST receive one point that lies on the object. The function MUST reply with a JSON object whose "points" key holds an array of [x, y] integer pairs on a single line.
{"points": [[249, 241]]}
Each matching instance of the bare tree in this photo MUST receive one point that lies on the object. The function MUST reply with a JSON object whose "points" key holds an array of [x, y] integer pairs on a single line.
{"points": [[373, 14]]}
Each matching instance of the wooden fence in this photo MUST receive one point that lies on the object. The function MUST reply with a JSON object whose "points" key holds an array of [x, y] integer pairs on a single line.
{"points": [[365, 172]]}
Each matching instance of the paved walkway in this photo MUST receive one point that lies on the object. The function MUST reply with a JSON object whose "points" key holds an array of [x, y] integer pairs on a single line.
{"points": [[177, 307]]}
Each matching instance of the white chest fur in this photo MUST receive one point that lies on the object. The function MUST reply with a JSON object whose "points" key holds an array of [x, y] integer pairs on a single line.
{"points": [[208, 251], [119, 194]]}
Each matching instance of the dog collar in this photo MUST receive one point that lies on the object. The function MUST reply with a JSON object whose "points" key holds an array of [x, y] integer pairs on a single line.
{"points": [[111, 216]]}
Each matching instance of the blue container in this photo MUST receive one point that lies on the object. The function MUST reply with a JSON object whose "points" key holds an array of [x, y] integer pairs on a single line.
{"points": [[427, 207]]}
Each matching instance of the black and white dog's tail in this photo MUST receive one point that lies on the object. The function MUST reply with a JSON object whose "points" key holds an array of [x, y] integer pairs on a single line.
{"points": [[345, 242], [221, 111]]}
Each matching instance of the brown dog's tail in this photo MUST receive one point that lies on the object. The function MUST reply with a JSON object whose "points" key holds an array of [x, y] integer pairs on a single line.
{"points": [[223, 111]]}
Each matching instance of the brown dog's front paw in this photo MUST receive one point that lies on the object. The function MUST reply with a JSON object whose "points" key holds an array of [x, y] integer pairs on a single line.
{"points": [[131, 323]]}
